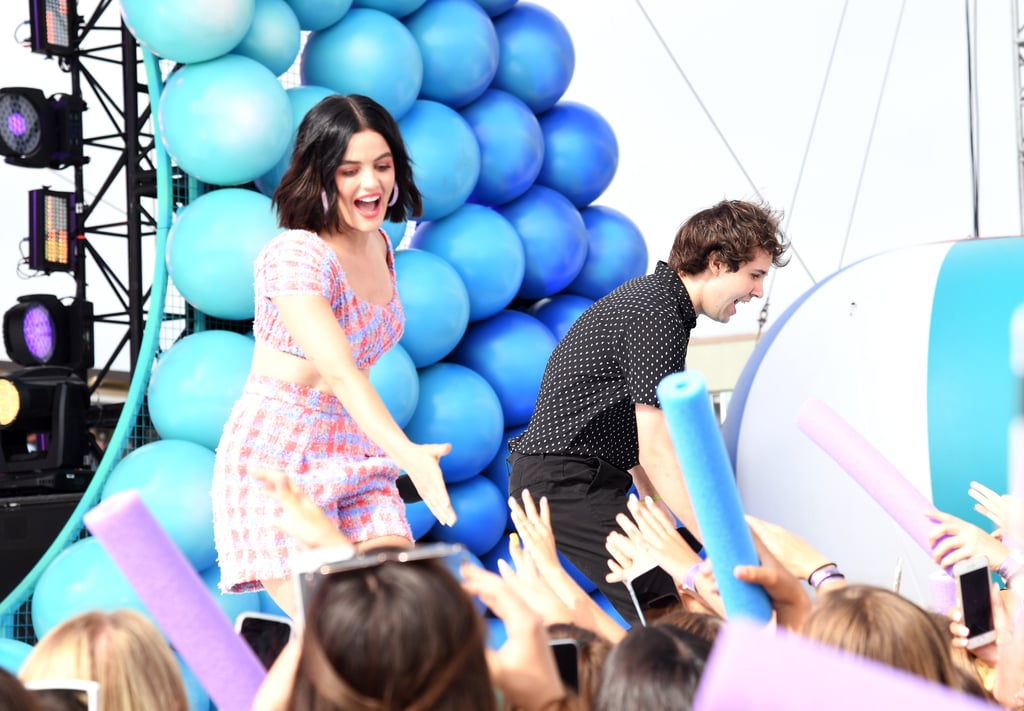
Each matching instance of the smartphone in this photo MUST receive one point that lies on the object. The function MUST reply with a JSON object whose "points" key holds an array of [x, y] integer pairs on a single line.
{"points": [[651, 588], [973, 591], [81, 694], [265, 634], [567, 657]]}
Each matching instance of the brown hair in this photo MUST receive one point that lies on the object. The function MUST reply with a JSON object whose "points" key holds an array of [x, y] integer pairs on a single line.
{"points": [[733, 231]]}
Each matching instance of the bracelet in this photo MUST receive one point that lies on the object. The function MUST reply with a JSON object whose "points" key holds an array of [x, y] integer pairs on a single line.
{"points": [[1010, 567], [823, 573]]}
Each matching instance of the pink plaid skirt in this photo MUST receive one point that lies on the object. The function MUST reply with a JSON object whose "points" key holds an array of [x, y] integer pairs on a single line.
{"points": [[309, 435]]}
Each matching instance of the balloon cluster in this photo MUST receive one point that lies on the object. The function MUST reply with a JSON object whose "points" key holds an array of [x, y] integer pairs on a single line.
{"points": [[510, 250]]}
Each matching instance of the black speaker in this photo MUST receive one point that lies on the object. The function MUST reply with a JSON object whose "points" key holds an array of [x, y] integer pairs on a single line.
{"points": [[28, 525]]}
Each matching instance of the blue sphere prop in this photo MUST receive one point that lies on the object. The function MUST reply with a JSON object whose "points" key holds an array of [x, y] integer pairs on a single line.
{"points": [[396, 380], [537, 57], [559, 312], [186, 31], [268, 606], [497, 635], [459, 48], [436, 305], [301, 99], [444, 154], [395, 8], [13, 653], [319, 14], [497, 470], [368, 52], [616, 253], [274, 37], [81, 578], [496, 7], [511, 146], [198, 699], [233, 604], [580, 152], [226, 121], [457, 405], [510, 350], [195, 384], [484, 249], [421, 520], [212, 246], [554, 237], [395, 231], [173, 478], [482, 512], [499, 552]]}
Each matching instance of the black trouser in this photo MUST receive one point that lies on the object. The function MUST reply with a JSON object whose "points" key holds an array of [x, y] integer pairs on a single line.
{"points": [[585, 494]]}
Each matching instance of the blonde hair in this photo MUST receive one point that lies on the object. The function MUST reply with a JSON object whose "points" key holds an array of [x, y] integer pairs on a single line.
{"points": [[122, 650]]}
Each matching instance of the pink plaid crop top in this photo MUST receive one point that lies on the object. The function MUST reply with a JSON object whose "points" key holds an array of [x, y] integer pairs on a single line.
{"points": [[300, 262]]}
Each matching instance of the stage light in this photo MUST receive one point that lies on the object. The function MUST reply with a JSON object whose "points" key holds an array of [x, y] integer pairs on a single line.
{"points": [[42, 420], [41, 330], [52, 228], [54, 26], [40, 132]]}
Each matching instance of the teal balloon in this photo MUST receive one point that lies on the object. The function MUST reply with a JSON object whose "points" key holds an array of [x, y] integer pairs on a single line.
{"points": [[188, 31], [274, 37], [225, 121], [537, 56], [368, 52], [80, 579], [484, 248], [195, 384], [395, 8], [173, 479], [396, 380], [318, 14], [301, 99], [232, 604], [436, 305], [13, 653], [212, 246]]}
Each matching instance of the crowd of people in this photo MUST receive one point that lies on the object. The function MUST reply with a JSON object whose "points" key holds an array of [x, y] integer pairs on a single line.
{"points": [[310, 459]]}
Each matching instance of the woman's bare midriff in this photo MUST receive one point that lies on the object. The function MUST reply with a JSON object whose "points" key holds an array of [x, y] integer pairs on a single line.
{"points": [[289, 368]]}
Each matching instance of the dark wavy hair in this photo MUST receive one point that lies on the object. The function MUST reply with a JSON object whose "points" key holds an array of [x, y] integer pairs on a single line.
{"points": [[320, 146], [731, 231], [395, 636]]}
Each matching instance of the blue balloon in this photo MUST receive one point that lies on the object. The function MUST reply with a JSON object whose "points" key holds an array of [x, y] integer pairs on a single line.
{"points": [[420, 519], [497, 470], [444, 154], [173, 478], [511, 146], [497, 635], [436, 305], [616, 253], [395, 231], [499, 552], [496, 7], [395, 8], [13, 653], [226, 121], [559, 312], [457, 405], [319, 14], [484, 249], [268, 606], [510, 350], [186, 31], [396, 380], [198, 699], [195, 384], [80, 579], [459, 48], [301, 99], [537, 57], [212, 246], [367, 52], [274, 37], [554, 237], [482, 512], [232, 604], [580, 152]]}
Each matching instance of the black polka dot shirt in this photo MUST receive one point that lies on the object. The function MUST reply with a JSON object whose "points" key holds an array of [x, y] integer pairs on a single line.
{"points": [[611, 359]]}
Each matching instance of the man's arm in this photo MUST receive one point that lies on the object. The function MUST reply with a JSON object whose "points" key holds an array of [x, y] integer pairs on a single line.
{"points": [[659, 473]]}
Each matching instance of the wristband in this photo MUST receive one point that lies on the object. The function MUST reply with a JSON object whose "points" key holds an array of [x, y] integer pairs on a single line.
{"points": [[826, 572], [1011, 567]]}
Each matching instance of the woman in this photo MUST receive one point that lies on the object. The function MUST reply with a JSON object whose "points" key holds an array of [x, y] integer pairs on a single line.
{"points": [[326, 310]]}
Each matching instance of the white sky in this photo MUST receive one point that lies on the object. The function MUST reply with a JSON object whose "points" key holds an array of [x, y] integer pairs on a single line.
{"points": [[759, 69]]}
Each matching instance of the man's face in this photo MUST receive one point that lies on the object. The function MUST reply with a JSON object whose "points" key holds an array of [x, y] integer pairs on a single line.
{"points": [[726, 289]]}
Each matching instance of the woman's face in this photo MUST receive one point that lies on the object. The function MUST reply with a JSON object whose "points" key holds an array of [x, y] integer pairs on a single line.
{"points": [[364, 181]]}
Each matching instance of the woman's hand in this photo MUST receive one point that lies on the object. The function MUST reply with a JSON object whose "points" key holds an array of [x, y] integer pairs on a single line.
{"points": [[300, 517], [954, 540], [422, 462]]}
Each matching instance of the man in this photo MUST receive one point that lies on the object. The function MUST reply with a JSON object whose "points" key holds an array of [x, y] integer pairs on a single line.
{"points": [[597, 428]]}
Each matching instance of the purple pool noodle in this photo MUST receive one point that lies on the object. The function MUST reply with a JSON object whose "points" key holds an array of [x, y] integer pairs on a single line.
{"points": [[943, 586], [177, 599], [711, 483], [876, 475], [754, 668]]}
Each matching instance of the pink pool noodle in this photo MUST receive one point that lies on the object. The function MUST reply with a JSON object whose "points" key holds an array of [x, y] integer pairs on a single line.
{"points": [[759, 668], [178, 600], [878, 477]]}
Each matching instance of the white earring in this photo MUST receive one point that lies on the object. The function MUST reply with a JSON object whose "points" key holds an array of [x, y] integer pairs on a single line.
{"points": [[323, 198], [394, 196]]}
